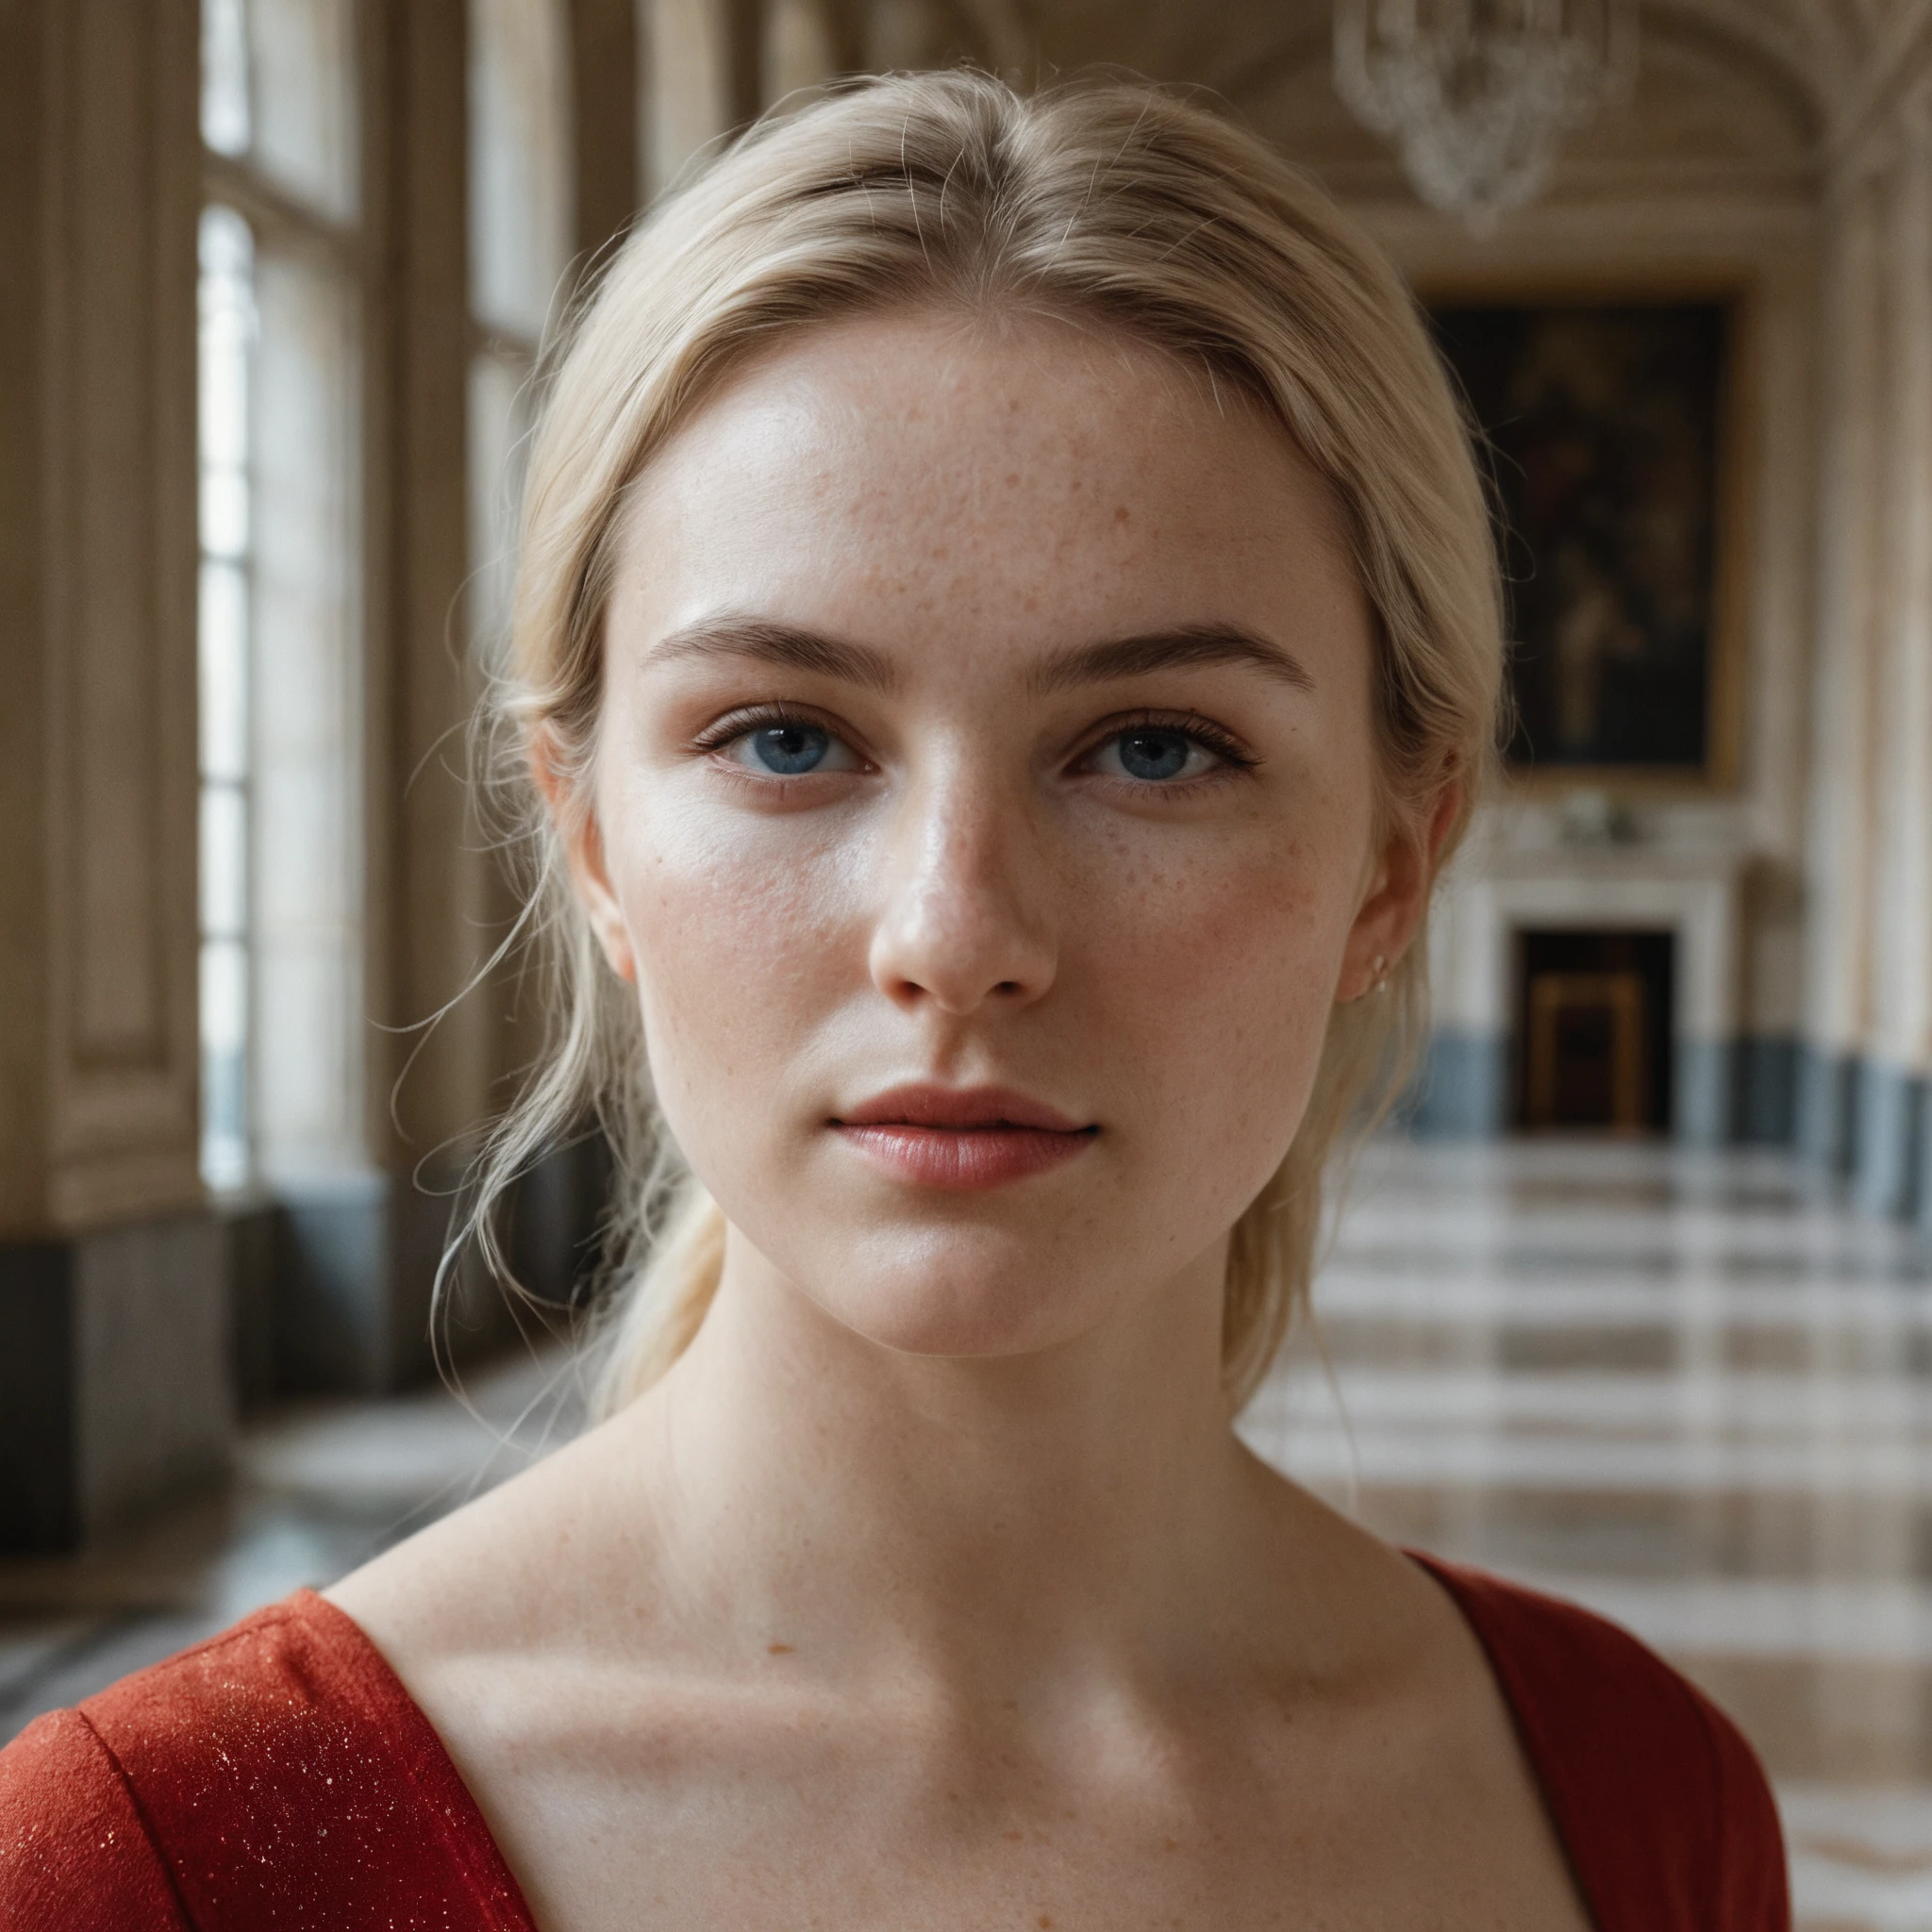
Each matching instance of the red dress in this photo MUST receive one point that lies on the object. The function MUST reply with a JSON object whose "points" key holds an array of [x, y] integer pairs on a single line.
{"points": [[279, 1778]]}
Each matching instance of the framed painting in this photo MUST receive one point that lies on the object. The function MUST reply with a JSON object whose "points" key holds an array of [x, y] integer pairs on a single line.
{"points": [[1609, 438]]}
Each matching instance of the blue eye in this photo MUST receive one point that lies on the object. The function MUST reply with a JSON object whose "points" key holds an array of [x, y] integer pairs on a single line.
{"points": [[790, 748], [1154, 754]]}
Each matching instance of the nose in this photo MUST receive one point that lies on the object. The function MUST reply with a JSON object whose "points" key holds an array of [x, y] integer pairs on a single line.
{"points": [[963, 922]]}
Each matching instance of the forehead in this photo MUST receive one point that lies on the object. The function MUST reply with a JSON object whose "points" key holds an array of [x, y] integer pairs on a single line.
{"points": [[924, 473]]}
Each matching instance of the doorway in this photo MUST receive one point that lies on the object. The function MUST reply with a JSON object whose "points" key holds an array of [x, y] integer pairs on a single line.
{"points": [[1594, 1026]]}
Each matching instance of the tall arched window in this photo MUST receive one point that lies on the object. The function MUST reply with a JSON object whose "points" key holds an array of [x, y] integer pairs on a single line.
{"points": [[281, 696], [521, 220]]}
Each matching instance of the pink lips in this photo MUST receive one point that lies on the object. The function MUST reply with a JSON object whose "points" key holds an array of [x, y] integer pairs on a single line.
{"points": [[961, 1138]]}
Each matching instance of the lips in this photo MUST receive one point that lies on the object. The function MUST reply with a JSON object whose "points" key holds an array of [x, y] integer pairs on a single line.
{"points": [[961, 1138]]}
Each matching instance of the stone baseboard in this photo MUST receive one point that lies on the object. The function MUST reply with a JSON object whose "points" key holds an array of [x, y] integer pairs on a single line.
{"points": [[1462, 1089], [115, 1380], [1869, 1122], [1747, 1092], [352, 1306]]}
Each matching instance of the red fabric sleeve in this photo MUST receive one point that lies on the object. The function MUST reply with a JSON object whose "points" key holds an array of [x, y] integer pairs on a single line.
{"points": [[277, 1778], [1664, 1812], [280, 1777], [74, 1851]]}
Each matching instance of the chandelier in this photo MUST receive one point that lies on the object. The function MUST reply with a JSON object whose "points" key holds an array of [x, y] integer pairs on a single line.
{"points": [[1478, 94]]}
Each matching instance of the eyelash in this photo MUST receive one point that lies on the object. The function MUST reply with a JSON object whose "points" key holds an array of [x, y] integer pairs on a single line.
{"points": [[1190, 725], [715, 737], [1187, 724]]}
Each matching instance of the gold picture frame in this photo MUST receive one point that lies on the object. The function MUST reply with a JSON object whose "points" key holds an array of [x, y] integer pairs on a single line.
{"points": [[1734, 299]]}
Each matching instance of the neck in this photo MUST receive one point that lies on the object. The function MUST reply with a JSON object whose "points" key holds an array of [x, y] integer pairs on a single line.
{"points": [[986, 1515]]}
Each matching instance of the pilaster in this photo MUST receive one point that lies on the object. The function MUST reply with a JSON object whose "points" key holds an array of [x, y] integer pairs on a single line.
{"points": [[1898, 1044], [113, 1302], [1837, 935]]}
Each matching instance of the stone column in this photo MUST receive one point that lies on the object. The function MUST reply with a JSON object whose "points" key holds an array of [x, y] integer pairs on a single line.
{"points": [[696, 63], [800, 50], [607, 122], [1898, 1040], [363, 1215], [113, 1369], [362, 1246], [1838, 937]]}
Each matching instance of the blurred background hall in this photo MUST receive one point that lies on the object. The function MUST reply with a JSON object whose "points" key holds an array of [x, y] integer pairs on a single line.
{"points": [[1637, 1304]]}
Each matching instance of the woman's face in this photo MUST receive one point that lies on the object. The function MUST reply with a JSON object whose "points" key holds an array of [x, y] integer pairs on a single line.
{"points": [[983, 806]]}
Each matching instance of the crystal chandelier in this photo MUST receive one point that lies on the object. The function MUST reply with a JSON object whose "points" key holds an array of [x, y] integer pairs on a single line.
{"points": [[1477, 94]]}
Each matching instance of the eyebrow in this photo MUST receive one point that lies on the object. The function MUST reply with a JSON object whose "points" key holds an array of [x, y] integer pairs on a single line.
{"points": [[790, 645], [797, 648], [1180, 648]]}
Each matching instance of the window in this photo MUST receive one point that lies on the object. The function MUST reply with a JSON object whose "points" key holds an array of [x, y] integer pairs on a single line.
{"points": [[520, 218], [226, 326], [280, 632]]}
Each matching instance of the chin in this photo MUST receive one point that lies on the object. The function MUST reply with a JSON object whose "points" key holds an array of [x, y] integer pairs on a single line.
{"points": [[956, 1328], [973, 1304]]}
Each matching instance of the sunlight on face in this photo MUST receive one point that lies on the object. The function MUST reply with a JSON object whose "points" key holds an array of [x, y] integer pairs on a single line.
{"points": [[987, 711]]}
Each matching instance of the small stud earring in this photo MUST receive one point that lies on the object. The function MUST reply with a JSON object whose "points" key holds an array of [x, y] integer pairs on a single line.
{"points": [[1381, 969]]}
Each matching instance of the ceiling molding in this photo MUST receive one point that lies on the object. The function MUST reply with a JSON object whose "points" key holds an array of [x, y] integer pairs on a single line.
{"points": [[1843, 66], [1777, 57], [1807, 41], [1900, 63]]}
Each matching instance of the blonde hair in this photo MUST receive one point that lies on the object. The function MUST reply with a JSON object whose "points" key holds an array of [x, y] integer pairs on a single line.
{"points": [[1110, 204]]}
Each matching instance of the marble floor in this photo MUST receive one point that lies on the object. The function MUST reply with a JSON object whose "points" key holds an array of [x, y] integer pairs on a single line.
{"points": [[1688, 1390], [320, 1488]]}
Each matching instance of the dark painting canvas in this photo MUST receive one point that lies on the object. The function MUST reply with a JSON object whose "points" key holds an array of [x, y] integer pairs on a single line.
{"points": [[1604, 423]]}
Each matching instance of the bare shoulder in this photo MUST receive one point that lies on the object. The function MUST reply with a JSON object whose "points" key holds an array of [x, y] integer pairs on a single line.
{"points": [[1378, 1612], [527, 1628], [623, 1748], [521, 1569], [1368, 1620], [1409, 1726]]}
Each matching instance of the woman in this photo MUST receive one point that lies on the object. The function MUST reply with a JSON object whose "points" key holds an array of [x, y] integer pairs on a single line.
{"points": [[1006, 639]]}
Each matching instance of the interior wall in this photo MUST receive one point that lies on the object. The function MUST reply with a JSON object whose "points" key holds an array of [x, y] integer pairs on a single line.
{"points": [[133, 1309], [97, 1026], [1772, 152], [1777, 153], [1865, 1092], [108, 1302]]}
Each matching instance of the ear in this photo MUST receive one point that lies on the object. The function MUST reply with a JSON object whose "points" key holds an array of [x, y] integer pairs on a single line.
{"points": [[573, 814], [1400, 878]]}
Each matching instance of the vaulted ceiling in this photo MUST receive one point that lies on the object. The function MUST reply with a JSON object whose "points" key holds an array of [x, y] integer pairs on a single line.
{"points": [[1758, 83]]}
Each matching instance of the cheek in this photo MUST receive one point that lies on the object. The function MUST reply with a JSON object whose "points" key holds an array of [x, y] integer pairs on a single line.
{"points": [[736, 923], [1216, 969]]}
